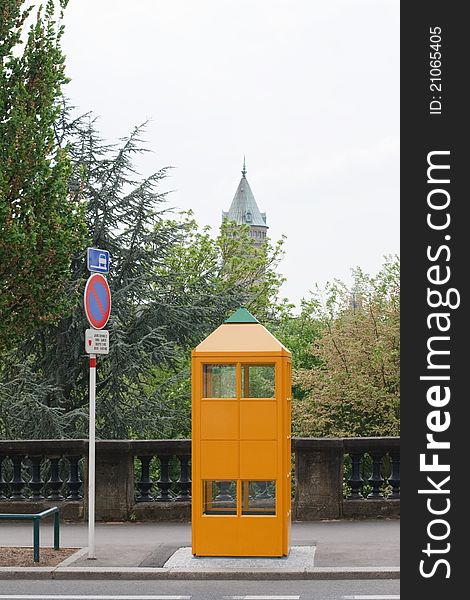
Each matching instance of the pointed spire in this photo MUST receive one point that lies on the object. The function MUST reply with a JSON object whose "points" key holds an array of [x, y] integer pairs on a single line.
{"points": [[244, 167], [244, 208]]}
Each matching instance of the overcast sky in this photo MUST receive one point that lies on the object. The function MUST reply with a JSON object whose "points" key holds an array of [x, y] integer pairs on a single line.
{"points": [[308, 90]]}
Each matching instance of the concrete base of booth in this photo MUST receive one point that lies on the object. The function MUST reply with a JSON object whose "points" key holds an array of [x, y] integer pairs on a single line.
{"points": [[300, 558]]}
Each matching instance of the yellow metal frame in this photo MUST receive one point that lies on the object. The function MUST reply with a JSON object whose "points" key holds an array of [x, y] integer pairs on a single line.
{"points": [[242, 439]]}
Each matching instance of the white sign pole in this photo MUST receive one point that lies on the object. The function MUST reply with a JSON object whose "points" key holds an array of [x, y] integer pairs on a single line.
{"points": [[91, 460], [96, 342]]}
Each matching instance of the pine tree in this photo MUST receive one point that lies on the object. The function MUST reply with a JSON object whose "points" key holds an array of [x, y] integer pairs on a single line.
{"points": [[168, 292]]}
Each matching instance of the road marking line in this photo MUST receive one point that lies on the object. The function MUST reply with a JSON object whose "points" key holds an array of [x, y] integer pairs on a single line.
{"points": [[375, 597], [86, 597], [270, 597]]}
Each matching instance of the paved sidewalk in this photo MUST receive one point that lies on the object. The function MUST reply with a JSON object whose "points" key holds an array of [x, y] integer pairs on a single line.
{"points": [[143, 549]]}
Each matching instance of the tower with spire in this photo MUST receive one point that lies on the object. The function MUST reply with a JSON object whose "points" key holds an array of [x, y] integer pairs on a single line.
{"points": [[245, 211]]}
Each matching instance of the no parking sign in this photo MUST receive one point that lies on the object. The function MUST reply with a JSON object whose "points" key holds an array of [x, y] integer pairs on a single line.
{"points": [[97, 301]]}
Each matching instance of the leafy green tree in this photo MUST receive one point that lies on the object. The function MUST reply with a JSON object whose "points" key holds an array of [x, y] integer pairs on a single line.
{"points": [[232, 265], [232, 260], [297, 331], [41, 224], [355, 389], [251, 267]]}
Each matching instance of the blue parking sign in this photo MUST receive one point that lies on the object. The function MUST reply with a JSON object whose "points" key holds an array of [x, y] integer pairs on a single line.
{"points": [[98, 260]]}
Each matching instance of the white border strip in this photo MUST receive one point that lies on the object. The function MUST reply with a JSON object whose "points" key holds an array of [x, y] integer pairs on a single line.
{"points": [[94, 597], [373, 597]]}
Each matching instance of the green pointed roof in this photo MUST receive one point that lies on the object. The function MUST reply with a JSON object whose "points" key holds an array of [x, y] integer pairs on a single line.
{"points": [[242, 333], [241, 315], [244, 209]]}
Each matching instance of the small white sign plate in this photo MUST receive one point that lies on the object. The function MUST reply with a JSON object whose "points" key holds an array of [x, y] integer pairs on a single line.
{"points": [[97, 341]]}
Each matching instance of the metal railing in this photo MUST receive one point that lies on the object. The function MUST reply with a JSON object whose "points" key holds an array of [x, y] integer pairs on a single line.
{"points": [[36, 518]]}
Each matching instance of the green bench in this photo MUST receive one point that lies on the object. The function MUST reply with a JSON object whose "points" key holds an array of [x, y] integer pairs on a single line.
{"points": [[36, 519]]}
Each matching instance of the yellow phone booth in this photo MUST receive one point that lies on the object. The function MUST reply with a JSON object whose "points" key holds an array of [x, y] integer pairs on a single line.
{"points": [[241, 442]]}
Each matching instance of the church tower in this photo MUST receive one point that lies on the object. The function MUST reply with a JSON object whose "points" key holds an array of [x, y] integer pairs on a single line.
{"points": [[245, 211]]}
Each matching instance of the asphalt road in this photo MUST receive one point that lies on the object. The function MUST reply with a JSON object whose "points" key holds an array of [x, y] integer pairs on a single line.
{"points": [[200, 590]]}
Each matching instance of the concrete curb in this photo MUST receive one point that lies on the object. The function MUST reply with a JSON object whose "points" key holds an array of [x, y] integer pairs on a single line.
{"points": [[72, 558], [153, 573]]}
